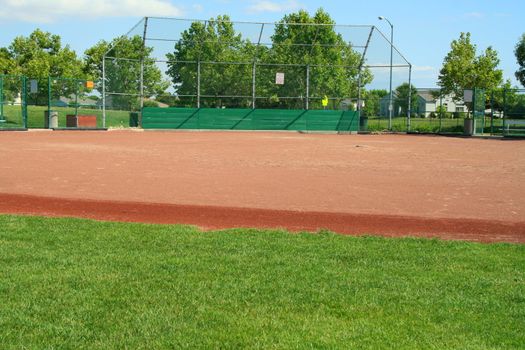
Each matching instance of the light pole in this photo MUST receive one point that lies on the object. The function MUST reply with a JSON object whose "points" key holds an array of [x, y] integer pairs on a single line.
{"points": [[390, 106]]}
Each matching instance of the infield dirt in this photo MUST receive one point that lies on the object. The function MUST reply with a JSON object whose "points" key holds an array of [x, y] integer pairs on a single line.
{"points": [[358, 184]]}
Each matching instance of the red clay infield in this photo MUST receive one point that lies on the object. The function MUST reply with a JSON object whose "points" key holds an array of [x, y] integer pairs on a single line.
{"points": [[393, 185]]}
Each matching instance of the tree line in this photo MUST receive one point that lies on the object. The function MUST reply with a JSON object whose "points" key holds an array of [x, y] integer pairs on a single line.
{"points": [[334, 66]]}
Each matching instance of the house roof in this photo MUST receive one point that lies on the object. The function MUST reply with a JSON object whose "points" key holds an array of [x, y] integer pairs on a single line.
{"points": [[426, 95], [81, 101]]}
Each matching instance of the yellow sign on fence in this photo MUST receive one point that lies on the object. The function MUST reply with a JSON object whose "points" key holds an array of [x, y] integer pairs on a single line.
{"points": [[324, 101]]}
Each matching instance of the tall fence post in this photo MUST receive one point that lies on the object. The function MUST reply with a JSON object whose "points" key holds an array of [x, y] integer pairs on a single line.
{"points": [[492, 112], [440, 111], [504, 112], [307, 86], [104, 91], [77, 84], [48, 98], [409, 109], [24, 101], [1, 97], [142, 65], [253, 85], [198, 84], [359, 93]]}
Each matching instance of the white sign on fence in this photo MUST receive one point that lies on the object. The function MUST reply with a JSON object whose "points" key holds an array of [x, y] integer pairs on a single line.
{"points": [[467, 95], [279, 78], [33, 86]]}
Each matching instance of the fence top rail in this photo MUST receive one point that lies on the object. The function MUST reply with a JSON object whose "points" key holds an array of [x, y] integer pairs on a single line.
{"points": [[349, 45], [375, 65], [261, 23]]}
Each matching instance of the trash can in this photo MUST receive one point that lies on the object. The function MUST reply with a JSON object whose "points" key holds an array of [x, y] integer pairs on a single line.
{"points": [[50, 119], [363, 123], [469, 126], [134, 119]]}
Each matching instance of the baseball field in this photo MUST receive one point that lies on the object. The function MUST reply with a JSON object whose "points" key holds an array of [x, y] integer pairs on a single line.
{"points": [[142, 239]]}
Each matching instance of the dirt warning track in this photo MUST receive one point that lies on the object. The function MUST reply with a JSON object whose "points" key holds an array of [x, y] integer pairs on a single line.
{"points": [[391, 185]]}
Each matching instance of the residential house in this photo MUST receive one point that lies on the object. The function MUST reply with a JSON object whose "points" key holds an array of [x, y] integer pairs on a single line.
{"points": [[427, 105]]}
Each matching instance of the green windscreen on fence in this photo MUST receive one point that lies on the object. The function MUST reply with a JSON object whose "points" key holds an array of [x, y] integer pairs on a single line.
{"points": [[249, 119]]}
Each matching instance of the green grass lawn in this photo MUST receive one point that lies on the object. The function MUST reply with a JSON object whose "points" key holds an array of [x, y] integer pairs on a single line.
{"points": [[70, 283], [430, 125], [35, 116]]}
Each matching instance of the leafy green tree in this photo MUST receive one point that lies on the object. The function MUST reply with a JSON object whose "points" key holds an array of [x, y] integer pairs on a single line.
{"points": [[520, 57], [372, 102], [7, 64], [401, 98], [206, 42], [462, 69], [42, 55], [334, 64], [123, 75]]}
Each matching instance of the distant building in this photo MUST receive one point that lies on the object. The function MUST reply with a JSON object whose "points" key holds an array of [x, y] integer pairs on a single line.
{"points": [[427, 103], [71, 101]]}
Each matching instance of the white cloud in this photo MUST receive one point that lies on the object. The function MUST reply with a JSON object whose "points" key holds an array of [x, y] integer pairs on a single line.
{"points": [[45, 11], [274, 6], [197, 7]]}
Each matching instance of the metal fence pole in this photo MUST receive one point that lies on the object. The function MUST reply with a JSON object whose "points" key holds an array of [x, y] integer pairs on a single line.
{"points": [[142, 64], [440, 111], [492, 112], [253, 85], [1, 97], [307, 86], [24, 100], [504, 132], [198, 84], [48, 100], [409, 109], [359, 93], [76, 97], [141, 84], [104, 91]]}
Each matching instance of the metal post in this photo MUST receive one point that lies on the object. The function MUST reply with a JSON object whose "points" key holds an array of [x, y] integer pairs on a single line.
{"points": [[307, 86], [440, 111], [409, 109], [198, 84], [391, 106], [23, 103], [48, 100], [253, 85], [359, 93], [76, 98], [492, 113], [1, 97], [141, 84], [504, 111], [104, 91], [142, 64]]}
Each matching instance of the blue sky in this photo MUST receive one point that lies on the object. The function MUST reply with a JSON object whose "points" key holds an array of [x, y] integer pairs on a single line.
{"points": [[423, 30]]}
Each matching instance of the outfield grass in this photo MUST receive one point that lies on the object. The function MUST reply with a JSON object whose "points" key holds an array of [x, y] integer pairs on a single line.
{"points": [[69, 283]]}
